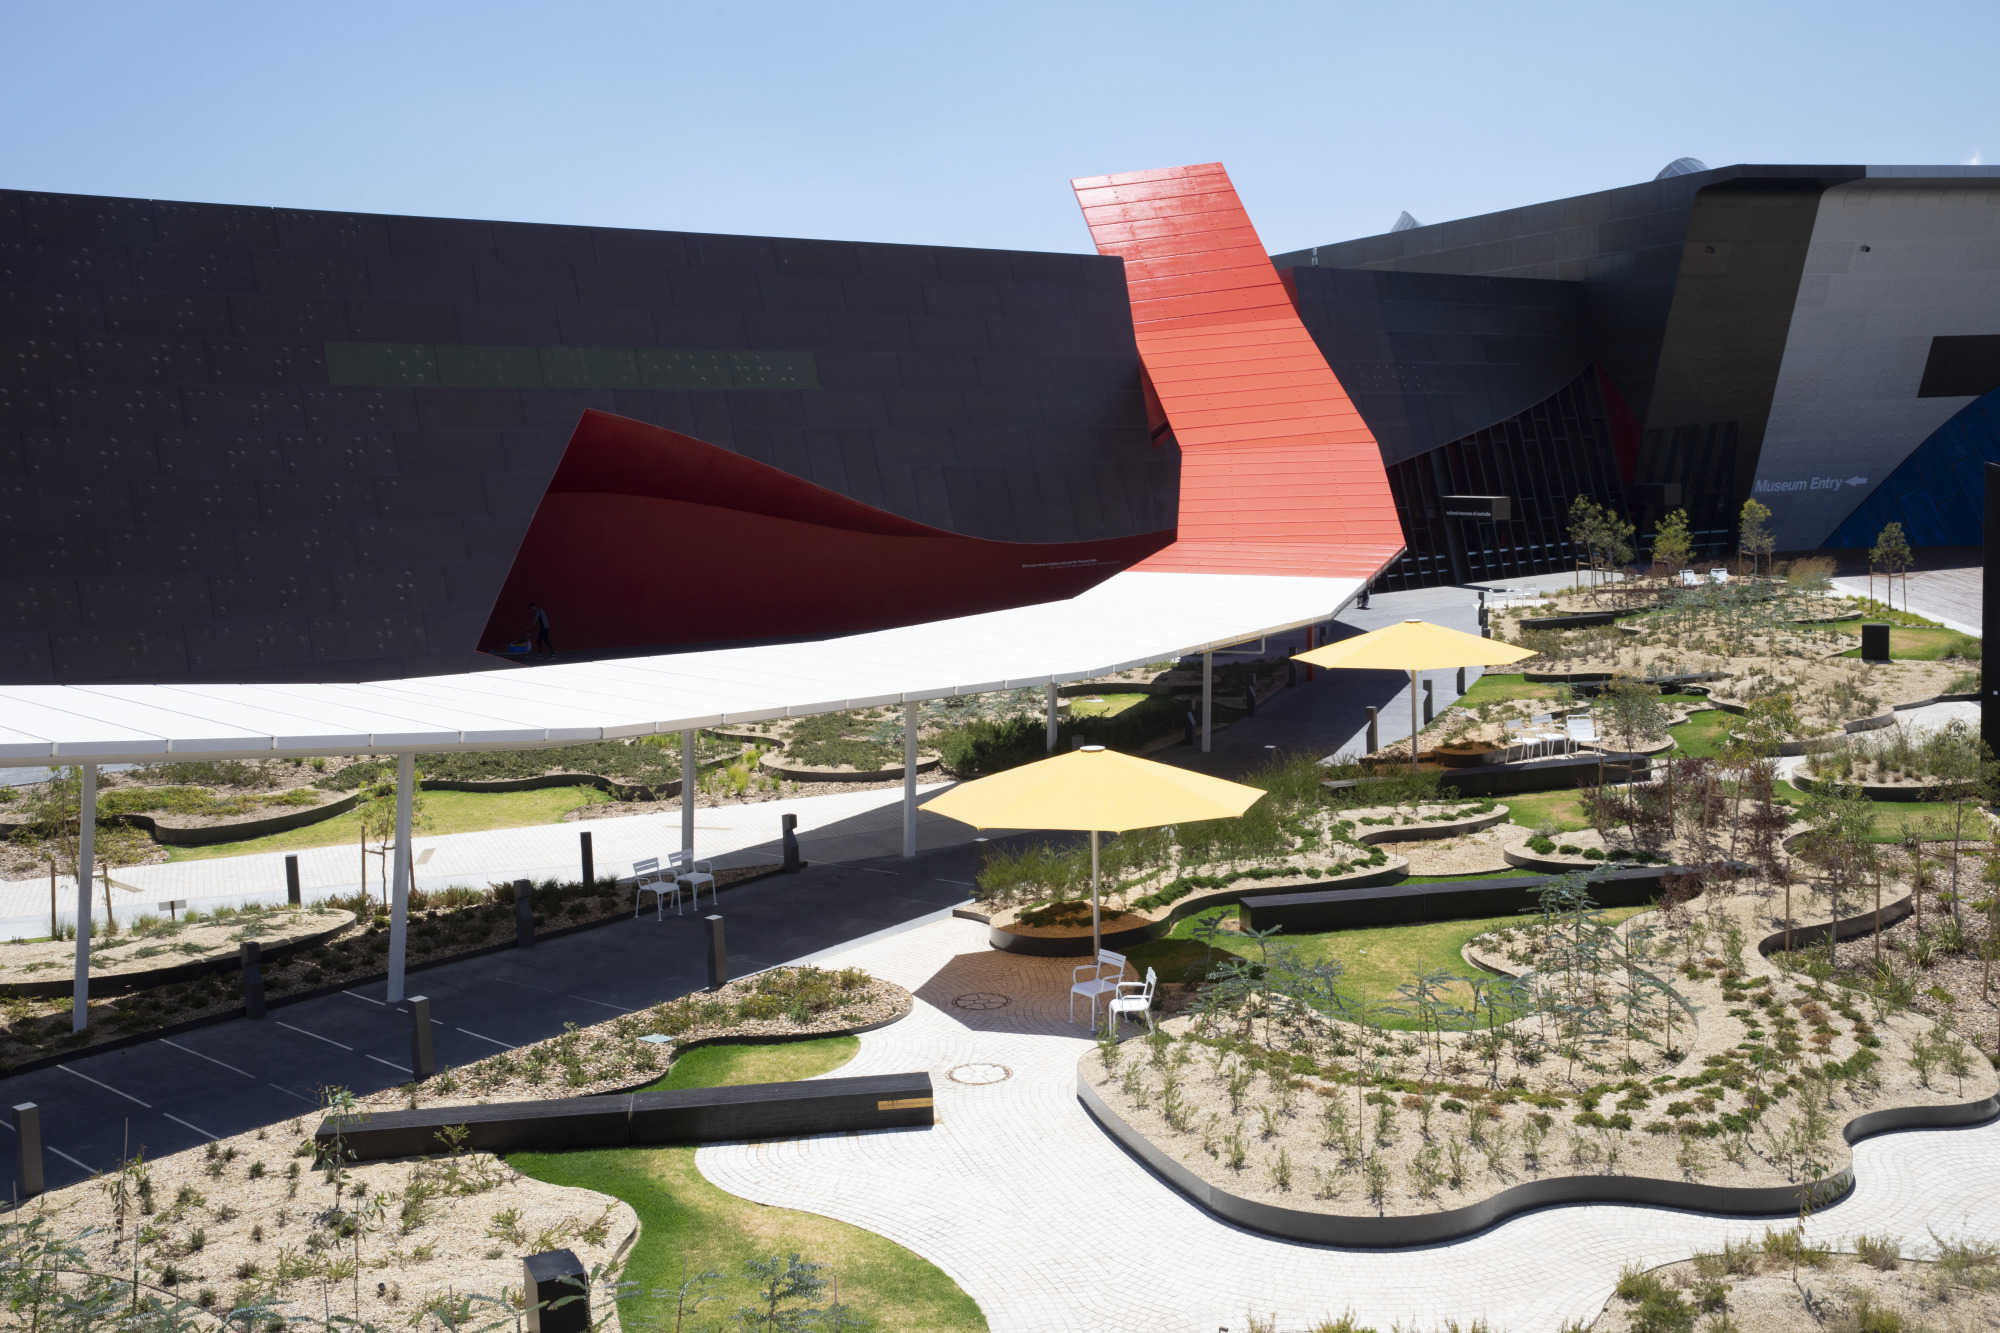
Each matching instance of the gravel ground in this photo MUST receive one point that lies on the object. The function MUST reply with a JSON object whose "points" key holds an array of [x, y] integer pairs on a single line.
{"points": [[246, 1219], [1466, 854], [1826, 1299], [169, 945]]}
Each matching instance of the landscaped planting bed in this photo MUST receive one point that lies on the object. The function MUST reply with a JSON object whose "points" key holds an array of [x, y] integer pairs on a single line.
{"points": [[1633, 1053], [443, 924], [784, 1004], [254, 1229], [1780, 1283], [1663, 1048], [149, 944]]}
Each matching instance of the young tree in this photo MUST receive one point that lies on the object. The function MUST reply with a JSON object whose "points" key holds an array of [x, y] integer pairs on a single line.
{"points": [[1963, 765], [1754, 537], [1632, 711], [1672, 545], [50, 817], [1586, 530], [1892, 551], [377, 808]]}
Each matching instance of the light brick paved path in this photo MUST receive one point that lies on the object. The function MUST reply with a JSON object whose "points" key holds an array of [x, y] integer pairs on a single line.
{"points": [[1049, 1225]]}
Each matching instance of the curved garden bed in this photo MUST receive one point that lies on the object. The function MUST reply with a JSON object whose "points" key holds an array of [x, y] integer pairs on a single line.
{"points": [[1888, 791], [1379, 1231], [1074, 942], [168, 955], [771, 764]]}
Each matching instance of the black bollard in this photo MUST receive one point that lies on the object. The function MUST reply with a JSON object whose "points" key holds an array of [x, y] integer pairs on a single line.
{"points": [[1875, 642], [1190, 727], [589, 863], [524, 914], [1461, 681], [1291, 672], [292, 880], [1427, 699], [557, 1291], [788, 832], [28, 1144], [423, 1060], [718, 953], [253, 979], [1374, 743]]}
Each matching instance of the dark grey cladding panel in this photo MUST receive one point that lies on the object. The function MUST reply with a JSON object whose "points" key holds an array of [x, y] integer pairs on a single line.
{"points": [[1625, 245], [166, 412], [1429, 358]]}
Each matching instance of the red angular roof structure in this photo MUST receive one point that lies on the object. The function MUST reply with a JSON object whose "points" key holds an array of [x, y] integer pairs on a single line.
{"points": [[1279, 474]]}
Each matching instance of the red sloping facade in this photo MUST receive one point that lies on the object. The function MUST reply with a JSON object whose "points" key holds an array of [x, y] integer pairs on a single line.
{"points": [[1279, 475]]}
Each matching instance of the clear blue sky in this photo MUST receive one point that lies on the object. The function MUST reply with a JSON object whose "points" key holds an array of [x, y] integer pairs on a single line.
{"points": [[959, 124]]}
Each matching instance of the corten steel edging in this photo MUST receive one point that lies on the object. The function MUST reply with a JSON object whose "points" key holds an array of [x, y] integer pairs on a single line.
{"points": [[644, 1119], [1457, 1223], [1078, 946], [1375, 833], [1451, 900]]}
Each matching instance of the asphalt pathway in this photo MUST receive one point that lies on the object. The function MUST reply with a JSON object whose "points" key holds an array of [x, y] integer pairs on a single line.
{"points": [[178, 1092]]}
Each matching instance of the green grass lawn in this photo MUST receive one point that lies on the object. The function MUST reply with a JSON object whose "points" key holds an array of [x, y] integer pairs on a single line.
{"points": [[1563, 809], [769, 1062], [1920, 643], [1703, 735], [1105, 705], [1494, 688], [1377, 959], [448, 811], [688, 1227]]}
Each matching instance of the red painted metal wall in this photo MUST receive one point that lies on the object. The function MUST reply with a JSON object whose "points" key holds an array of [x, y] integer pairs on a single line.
{"points": [[1279, 475], [648, 538]]}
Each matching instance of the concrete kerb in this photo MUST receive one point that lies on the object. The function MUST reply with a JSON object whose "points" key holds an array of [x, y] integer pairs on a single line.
{"points": [[1374, 1233]]}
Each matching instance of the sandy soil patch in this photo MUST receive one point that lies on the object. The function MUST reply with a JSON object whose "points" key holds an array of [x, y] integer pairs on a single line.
{"points": [[248, 1220], [1477, 853], [169, 945], [1833, 1296]]}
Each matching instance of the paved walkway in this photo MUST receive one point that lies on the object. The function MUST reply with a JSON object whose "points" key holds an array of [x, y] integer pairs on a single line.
{"points": [[1953, 596], [845, 826], [1049, 1225]]}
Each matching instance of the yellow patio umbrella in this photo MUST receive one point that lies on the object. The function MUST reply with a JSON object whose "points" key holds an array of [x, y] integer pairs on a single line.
{"points": [[1413, 646], [1095, 789]]}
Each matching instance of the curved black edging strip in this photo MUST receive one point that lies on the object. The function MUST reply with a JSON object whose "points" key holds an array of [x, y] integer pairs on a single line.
{"points": [[1451, 828], [127, 983], [1457, 1223], [642, 1119], [1449, 900], [1942, 791], [211, 834], [1847, 928], [1078, 946]]}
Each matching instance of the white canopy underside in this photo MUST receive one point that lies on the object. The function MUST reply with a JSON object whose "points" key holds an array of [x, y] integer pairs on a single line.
{"points": [[1128, 620]]}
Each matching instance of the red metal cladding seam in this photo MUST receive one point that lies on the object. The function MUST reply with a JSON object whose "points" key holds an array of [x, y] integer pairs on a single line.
{"points": [[1279, 474], [647, 538]]}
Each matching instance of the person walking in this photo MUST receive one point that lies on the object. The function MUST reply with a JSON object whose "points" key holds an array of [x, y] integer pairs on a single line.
{"points": [[543, 647]]}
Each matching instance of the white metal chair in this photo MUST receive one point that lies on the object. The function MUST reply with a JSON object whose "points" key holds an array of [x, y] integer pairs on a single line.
{"points": [[647, 878], [1096, 984], [686, 870], [1718, 575], [1139, 1003], [1690, 579], [1580, 730]]}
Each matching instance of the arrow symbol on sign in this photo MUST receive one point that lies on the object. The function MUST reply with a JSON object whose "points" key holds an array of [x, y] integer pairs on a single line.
{"points": [[1857, 481]]}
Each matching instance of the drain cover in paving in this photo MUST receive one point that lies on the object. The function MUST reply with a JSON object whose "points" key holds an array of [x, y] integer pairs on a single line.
{"points": [[979, 1074], [980, 999]]}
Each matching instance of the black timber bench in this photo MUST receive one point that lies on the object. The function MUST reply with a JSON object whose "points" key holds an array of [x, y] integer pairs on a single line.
{"points": [[645, 1119], [1406, 904]]}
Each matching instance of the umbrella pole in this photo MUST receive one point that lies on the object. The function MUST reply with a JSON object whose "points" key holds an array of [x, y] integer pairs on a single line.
{"points": [[1096, 934], [1413, 721]]}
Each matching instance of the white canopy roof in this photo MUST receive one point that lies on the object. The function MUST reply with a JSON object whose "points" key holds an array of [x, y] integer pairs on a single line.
{"points": [[1128, 620]]}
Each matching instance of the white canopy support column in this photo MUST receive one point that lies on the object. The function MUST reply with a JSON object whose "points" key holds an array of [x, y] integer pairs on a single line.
{"points": [[399, 902], [1053, 692], [909, 779], [86, 863], [1207, 699], [687, 790]]}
